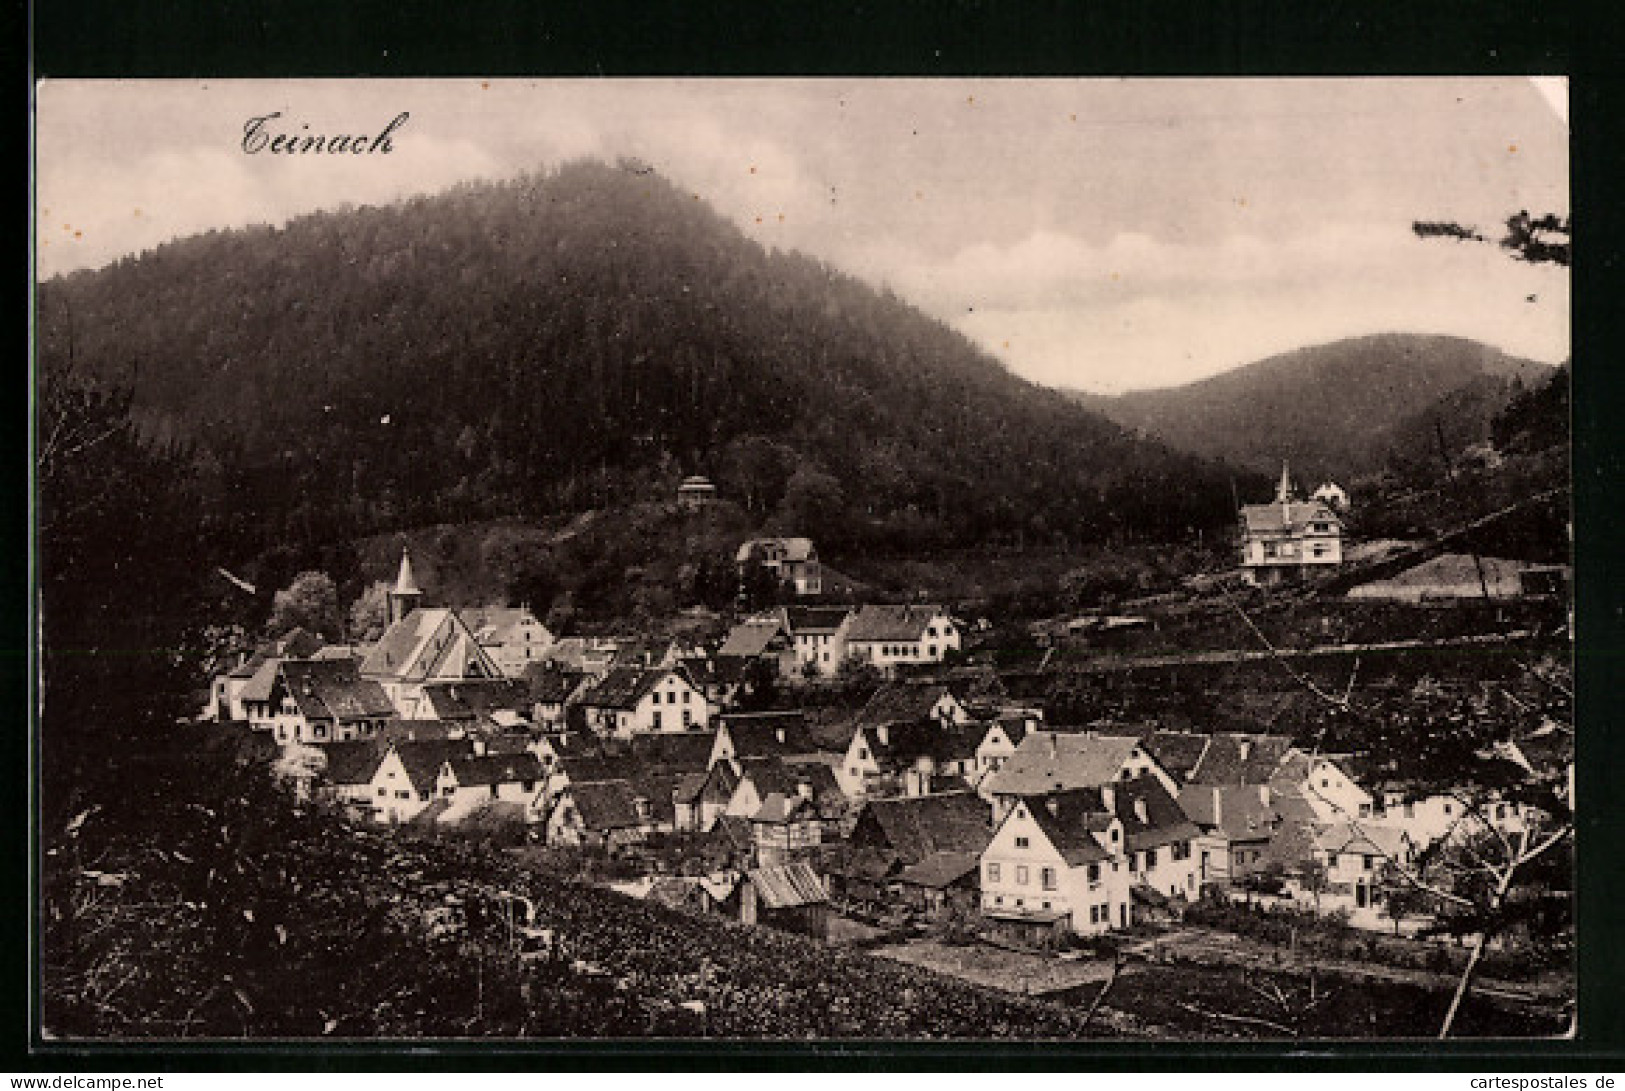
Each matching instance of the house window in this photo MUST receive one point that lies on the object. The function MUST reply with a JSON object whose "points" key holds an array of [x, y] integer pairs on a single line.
{"points": [[403, 795], [931, 651], [931, 632], [1115, 832], [527, 785], [1447, 808], [1021, 842], [1046, 878], [998, 899], [448, 790], [1410, 810], [657, 721], [1022, 875], [383, 791], [1094, 873], [685, 696], [1370, 862], [1094, 914], [993, 873], [688, 717], [1150, 859]]}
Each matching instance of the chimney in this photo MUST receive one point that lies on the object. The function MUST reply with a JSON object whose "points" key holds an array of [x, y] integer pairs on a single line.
{"points": [[1054, 747], [778, 733], [1054, 806], [1218, 807], [479, 746], [1246, 748], [883, 733], [1108, 798], [1140, 812], [1264, 794], [804, 789]]}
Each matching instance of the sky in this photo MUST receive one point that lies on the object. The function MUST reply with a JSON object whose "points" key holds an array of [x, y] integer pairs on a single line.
{"points": [[1102, 235]]}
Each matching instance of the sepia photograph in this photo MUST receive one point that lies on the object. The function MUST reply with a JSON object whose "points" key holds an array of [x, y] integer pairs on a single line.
{"points": [[816, 560]]}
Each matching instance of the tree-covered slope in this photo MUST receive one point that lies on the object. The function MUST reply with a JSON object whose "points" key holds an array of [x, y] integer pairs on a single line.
{"points": [[581, 339], [1331, 410]]}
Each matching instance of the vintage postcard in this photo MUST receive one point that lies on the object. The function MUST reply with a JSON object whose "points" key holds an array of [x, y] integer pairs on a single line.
{"points": [[804, 559]]}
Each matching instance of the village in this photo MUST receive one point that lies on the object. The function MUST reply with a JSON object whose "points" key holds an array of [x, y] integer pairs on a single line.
{"points": [[928, 808]]}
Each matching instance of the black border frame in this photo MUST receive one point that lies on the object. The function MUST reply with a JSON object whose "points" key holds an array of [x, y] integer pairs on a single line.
{"points": [[393, 38]]}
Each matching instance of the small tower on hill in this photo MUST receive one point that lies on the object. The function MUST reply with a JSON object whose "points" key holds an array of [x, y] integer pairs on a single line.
{"points": [[406, 595]]}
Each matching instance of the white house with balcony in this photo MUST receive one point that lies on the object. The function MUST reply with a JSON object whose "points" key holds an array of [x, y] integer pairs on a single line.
{"points": [[1289, 539]]}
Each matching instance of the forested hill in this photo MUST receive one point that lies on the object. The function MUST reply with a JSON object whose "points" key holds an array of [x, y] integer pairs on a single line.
{"points": [[583, 338], [1337, 410]]}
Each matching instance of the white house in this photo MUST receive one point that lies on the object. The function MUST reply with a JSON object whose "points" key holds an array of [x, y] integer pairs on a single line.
{"points": [[888, 637], [790, 560], [320, 701], [1288, 539], [819, 633], [404, 783], [631, 701], [472, 781], [1056, 865], [1330, 792]]}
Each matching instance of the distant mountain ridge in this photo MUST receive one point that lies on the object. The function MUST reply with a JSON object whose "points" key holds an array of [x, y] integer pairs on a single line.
{"points": [[580, 339], [1330, 410]]}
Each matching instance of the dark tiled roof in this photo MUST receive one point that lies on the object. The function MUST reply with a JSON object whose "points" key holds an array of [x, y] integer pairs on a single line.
{"points": [[900, 623], [1238, 812], [918, 826], [772, 775], [1290, 518], [623, 687], [353, 762], [672, 751], [816, 619], [552, 686], [422, 760], [496, 769], [941, 870], [247, 667], [476, 698], [1047, 761], [606, 805], [1165, 821], [395, 731], [331, 689], [1178, 752], [907, 743], [757, 734], [262, 681], [1069, 820], [753, 638], [1241, 759], [901, 701]]}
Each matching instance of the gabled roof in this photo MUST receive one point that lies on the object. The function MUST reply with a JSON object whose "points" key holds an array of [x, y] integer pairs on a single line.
{"points": [[816, 619], [731, 670], [475, 698], [417, 646], [1361, 838], [897, 701], [789, 549], [771, 775], [606, 805], [758, 734], [1178, 752], [689, 786], [899, 623], [1289, 518], [331, 689], [918, 826], [492, 625], [906, 743], [496, 769], [1238, 812], [672, 751], [1048, 761], [789, 886], [1165, 822], [248, 666], [779, 808], [585, 768], [263, 680], [624, 687], [353, 762], [1241, 759], [298, 643], [1069, 820], [552, 686], [751, 638], [422, 760]]}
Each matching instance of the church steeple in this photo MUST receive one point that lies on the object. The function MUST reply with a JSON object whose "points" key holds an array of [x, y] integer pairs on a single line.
{"points": [[1283, 493], [406, 594]]}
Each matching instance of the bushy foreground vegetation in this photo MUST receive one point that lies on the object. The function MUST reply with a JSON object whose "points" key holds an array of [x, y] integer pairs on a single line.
{"points": [[229, 911]]}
